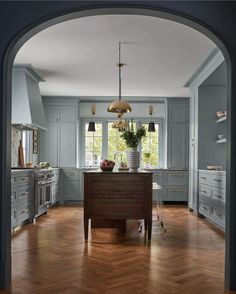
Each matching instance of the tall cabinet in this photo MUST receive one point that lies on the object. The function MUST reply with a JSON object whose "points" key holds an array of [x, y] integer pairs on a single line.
{"points": [[178, 133], [58, 144]]}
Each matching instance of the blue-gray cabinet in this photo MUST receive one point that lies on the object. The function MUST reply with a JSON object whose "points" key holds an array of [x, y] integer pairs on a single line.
{"points": [[174, 185], [211, 196], [71, 185], [59, 144], [178, 133], [56, 187], [22, 197]]}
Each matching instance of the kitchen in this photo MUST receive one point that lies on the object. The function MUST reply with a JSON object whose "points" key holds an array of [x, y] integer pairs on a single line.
{"points": [[59, 135]]}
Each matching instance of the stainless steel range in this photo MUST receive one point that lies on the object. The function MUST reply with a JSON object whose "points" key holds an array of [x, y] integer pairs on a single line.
{"points": [[44, 179]]}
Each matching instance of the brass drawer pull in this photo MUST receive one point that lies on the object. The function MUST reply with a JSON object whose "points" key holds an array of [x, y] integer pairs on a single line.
{"points": [[205, 192], [216, 180], [203, 178]]}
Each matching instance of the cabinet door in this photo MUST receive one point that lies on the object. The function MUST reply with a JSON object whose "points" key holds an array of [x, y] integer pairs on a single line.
{"points": [[67, 113], [178, 146], [49, 144], [51, 112], [178, 113], [71, 192], [67, 144]]}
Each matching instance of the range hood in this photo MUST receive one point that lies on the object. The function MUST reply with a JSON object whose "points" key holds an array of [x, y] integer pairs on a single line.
{"points": [[27, 105]]}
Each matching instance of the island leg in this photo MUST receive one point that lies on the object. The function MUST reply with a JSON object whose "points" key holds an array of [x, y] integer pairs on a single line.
{"points": [[149, 229], [86, 228]]}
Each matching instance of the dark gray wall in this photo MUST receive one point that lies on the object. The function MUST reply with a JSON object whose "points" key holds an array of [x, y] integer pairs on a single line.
{"points": [[211, 100], [214, 18]]}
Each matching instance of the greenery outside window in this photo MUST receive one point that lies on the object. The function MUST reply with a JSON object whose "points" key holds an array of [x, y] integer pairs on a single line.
{"points": [[93, 145], [150, 148]]}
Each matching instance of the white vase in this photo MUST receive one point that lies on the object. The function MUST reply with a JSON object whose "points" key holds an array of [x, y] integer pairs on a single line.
{"points": [[133, 159]]}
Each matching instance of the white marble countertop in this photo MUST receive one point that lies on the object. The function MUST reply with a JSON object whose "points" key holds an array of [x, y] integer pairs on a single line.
{"points": [[212, 171]]}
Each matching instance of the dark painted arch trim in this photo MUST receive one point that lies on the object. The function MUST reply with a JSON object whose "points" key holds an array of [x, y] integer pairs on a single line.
{"points": [[44, 22]]}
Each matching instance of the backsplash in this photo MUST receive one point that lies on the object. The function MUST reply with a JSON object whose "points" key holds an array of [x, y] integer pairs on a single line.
{"points": [[15, 140]]}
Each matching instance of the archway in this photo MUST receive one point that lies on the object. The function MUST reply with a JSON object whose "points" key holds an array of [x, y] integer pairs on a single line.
{"points": [[44, 23]]}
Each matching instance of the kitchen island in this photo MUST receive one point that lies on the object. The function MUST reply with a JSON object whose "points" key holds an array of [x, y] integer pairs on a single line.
{"points": [[118, 195]]}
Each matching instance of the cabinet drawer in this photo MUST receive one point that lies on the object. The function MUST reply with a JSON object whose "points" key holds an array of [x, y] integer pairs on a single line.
{"points": [[117, 208], [218, 212], [218, 193], [13, 178], [176, 193], [204, 178], [27, 179], [13, 217], [205, 190], [204, 198], [13, 193], [218, 180], [117, 188], [23, 212], [25, 192], [204, 207], [176, 178]]}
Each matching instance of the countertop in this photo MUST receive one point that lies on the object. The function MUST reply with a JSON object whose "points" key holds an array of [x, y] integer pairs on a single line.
{"points": [[213, 171], [99, 171]]}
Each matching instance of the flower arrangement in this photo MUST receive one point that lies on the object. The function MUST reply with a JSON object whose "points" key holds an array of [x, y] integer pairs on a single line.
{"points": [[132, 138]]}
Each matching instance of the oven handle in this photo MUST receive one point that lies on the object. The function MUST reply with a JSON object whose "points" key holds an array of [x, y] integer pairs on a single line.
{"points": [[45, 183]]}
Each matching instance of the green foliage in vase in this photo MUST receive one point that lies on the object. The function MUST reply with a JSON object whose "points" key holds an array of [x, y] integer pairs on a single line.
{"points": [[132, 138]]}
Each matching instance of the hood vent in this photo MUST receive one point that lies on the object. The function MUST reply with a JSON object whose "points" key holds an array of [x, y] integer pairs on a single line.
{"points": [[27, 106]]}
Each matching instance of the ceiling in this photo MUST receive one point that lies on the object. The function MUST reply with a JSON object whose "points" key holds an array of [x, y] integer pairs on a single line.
{"points": [[78, 57]]}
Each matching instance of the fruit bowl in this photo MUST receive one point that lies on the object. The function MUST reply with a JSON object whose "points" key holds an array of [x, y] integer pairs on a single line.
{"points": [[107, 165], [106, 168]]}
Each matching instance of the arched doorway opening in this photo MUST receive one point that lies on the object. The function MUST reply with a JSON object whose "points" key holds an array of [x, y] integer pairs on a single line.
{"points": [[21, 39]]}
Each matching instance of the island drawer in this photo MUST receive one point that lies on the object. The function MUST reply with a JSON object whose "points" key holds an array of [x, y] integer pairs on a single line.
{"points": [[219, 193], [116, 208], [117, 186]]}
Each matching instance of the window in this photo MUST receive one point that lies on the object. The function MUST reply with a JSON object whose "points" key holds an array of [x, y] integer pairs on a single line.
{"points": [[150, 147], [93, 145], [116, 145]]}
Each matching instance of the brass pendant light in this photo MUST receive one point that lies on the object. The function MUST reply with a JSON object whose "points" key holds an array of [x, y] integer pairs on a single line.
{"points": [[151, 125], [119, 106], [120, 124]]}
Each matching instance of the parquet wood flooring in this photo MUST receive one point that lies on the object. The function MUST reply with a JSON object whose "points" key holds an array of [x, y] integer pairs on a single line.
{"points": [[51, 256]]}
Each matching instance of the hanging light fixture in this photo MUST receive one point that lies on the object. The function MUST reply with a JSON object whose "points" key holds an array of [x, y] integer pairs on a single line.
{"points": [[119, 124], [119, 106], [151, 125], [91, 126]]}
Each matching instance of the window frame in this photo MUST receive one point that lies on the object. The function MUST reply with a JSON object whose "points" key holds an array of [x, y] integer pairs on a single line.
{"points": [[104, 121]]}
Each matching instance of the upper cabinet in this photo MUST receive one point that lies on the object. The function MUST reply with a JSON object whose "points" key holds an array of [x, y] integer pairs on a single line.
{"points": [[178, 133], [58, 144]]}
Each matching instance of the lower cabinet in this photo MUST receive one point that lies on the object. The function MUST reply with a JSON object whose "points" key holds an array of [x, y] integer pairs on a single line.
{"points": [[22, 197], [211, 196], [71, 185], [56, 187], [174, 185]]}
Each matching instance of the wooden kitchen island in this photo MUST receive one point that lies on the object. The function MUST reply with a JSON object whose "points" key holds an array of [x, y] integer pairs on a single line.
{"points": [[117, 196]]}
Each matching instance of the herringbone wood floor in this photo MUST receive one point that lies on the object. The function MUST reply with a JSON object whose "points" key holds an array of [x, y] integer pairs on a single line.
{"points": [[52, 257]]}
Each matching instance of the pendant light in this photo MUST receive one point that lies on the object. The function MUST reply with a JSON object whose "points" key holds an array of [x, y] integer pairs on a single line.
{"points": [[119, 124], [151, 125], [91, 126], [119, 106]]}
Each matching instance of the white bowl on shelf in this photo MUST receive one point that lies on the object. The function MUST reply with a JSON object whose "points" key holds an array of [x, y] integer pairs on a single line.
{"points": [[214, 167]]}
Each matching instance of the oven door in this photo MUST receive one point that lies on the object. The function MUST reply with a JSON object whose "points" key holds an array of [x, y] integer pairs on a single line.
{"points": [[43, 197]]}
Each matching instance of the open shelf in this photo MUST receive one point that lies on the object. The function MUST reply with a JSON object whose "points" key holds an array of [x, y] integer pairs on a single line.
{"points": [[221, 141], [221, 119]]}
